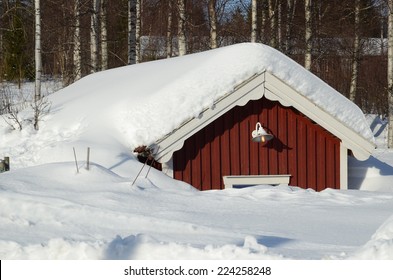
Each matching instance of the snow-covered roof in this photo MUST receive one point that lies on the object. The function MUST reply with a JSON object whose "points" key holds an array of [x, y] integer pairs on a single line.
{"points": [[148, 101]]}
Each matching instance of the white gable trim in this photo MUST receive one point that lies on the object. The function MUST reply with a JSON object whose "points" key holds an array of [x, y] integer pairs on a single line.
{"points": [[251, 89], [277, 90], [274, 89]]}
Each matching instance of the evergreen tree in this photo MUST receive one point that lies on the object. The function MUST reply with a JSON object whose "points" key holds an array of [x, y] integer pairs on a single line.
{"points": [[17, 63]]}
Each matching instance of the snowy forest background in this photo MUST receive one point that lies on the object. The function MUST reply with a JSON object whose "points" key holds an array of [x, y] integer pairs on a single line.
{"points": [[344, 42]]}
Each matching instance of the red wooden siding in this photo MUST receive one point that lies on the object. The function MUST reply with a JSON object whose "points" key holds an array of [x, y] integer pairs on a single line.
{"points": [[300, 147]]}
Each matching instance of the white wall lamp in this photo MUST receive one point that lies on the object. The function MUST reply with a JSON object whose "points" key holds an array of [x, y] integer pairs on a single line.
{"points": [[260, 135]]}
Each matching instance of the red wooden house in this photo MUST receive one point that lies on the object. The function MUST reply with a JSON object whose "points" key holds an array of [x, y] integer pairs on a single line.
{"points": [[310, 146]]}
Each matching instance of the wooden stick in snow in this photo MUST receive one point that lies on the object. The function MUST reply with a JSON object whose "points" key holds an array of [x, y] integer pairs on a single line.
{"points": [[76, 161], [88, 159]]}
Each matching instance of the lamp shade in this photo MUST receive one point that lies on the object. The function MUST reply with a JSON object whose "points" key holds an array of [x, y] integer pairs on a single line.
{"points": [[260, 135]]}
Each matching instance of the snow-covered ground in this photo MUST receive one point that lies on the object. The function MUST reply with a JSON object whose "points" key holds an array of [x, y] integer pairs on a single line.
{"points": [[49, 211]]}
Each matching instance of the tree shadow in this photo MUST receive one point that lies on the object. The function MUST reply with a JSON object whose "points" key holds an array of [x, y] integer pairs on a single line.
{"points": [[377, 121], [121, 248], [273, 241], [123, 158]]}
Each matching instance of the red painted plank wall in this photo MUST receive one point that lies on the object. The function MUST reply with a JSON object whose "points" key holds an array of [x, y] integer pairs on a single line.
{"points": [[300, 147]]}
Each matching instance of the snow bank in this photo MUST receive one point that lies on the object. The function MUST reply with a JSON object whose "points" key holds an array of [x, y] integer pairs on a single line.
{"points": [[70, 215], [136, 247], [145, 247], [380, 247], [375, 173], [53, 212], [54, 249]]}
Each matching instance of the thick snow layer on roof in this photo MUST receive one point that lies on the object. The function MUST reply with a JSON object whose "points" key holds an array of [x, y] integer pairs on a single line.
{"points": [[147, 101]]}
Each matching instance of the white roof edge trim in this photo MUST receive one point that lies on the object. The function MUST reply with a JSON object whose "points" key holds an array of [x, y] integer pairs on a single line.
{"points": [[242, 93], [275, 87]]}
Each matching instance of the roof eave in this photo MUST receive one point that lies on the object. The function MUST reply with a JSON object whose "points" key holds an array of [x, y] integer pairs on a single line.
{"points": [[273, 88], [251, 89]]}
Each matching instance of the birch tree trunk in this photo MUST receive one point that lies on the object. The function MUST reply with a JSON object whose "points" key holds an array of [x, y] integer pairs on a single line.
{"points": [[381, 28], [38, 57], [94, 37], [169, 30], [181, 33], [77, 71], [138, 29], [390, 73], [213, 23], [279, 22], [134, 31], [356, 54], [1, 37], [291, 7], [131, 31], [308, 34], [254, 21], [38, 63], [104, 35], [272, 18], [263, 20]]}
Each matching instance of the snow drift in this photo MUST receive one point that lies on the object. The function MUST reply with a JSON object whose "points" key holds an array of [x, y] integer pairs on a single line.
{"points": [[380, 247]]}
